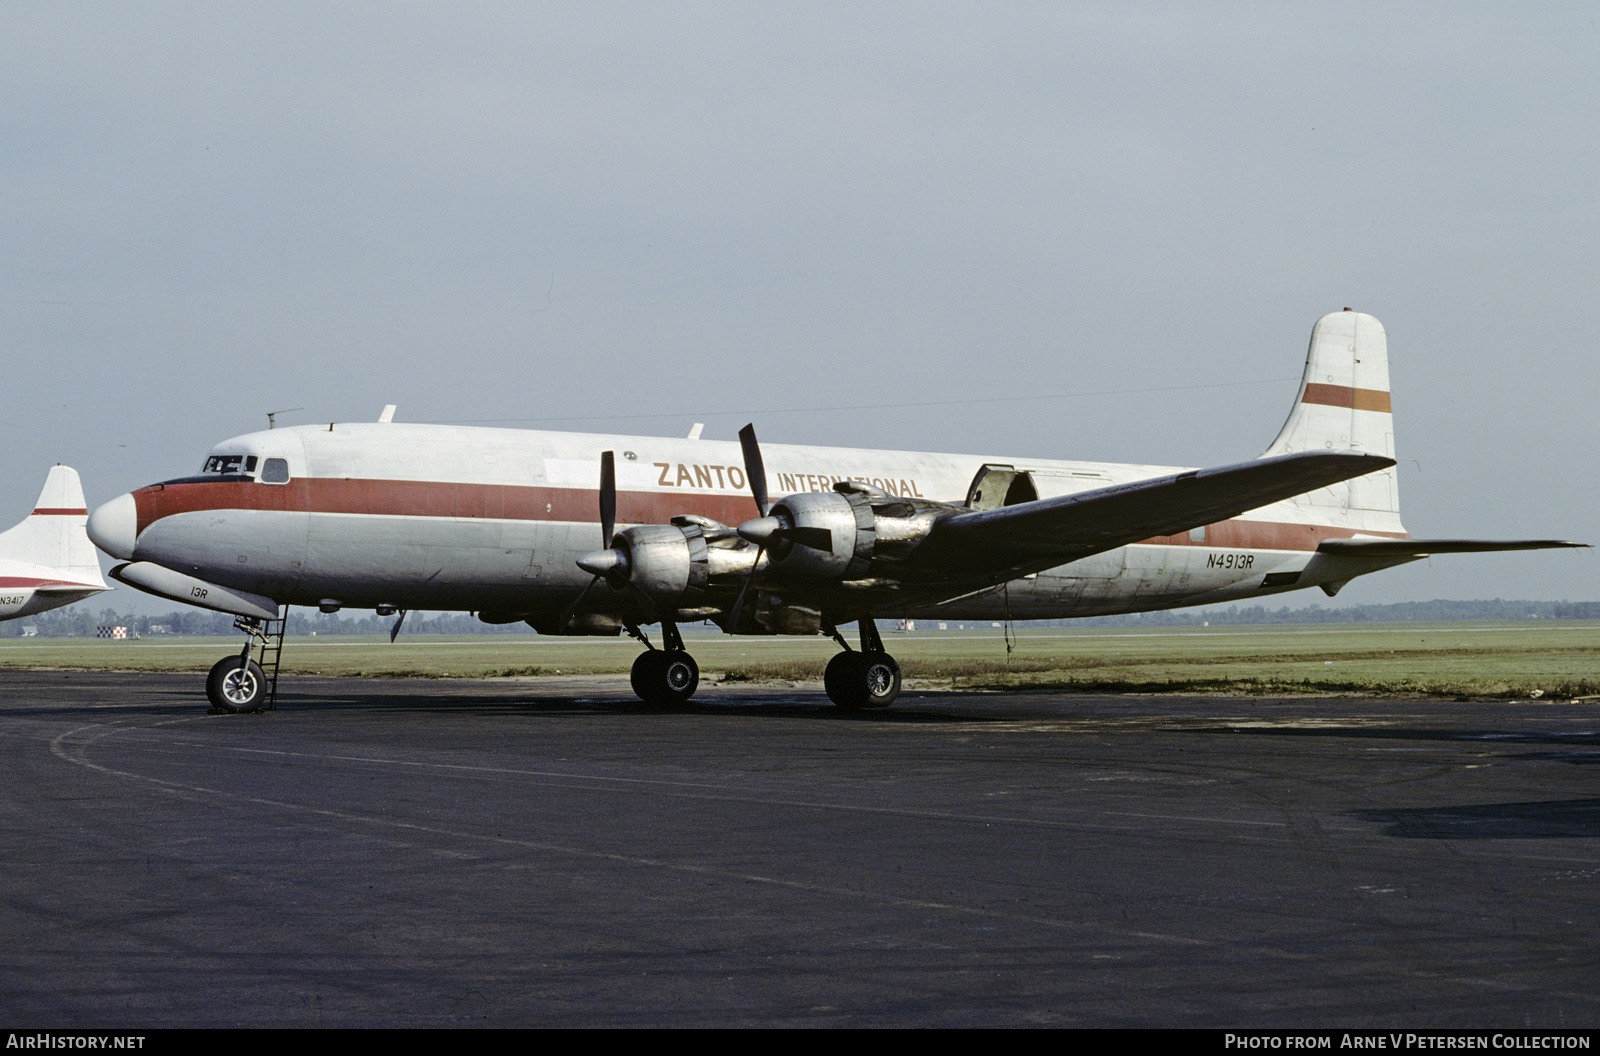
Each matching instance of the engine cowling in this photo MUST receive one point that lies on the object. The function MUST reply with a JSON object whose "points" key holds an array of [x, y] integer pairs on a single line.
{"points": [[674, 565], [844, 522], [843, 534], [667, 563]]}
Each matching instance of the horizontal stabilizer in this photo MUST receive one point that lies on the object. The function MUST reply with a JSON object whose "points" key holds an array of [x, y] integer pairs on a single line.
{"points": [[1425, 547]]}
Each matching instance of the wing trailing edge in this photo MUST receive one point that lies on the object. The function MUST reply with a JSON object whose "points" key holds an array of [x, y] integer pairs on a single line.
{"points": [[1035, 535], [1428, 547]]}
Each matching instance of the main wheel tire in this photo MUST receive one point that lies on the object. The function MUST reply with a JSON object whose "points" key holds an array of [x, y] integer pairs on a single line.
{"points": [[664, 676], [643, 676], [837, 677], [862, 680], [230, 689]]}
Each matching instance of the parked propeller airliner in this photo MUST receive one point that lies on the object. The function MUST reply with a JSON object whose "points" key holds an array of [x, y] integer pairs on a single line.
{"points": [[521, 525], [46, 560]]}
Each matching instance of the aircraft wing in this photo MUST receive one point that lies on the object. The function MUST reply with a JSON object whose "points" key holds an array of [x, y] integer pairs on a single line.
{"points": [[1426, 547], [1028, 537]]}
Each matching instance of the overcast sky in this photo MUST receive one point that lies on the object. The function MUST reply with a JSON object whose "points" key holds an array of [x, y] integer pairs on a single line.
{"points": [[864, 224]]}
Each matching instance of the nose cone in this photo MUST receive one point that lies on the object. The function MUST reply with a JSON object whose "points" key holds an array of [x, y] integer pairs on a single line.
{"points": [[114, 527]]}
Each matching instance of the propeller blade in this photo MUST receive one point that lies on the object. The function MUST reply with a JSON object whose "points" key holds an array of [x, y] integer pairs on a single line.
{"points": [[608, 496], [609, 563], [738, 604], [647, 604], [394, 632], [764, 531], [572, 610], [812, 538], [754, 471]]}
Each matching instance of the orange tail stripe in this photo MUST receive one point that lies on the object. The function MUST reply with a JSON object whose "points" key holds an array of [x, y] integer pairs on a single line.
{"points": [[1345, 396]]}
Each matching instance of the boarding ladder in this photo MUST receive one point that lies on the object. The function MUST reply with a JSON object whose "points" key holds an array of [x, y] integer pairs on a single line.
{"points": [[267, 637]]}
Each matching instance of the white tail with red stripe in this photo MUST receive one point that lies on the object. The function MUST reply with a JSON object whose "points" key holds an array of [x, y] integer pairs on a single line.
{"points": [[1343, 405], [47, 561]]}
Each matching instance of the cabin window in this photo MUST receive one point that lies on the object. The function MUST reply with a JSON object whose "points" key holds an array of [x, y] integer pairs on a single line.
{"points": [[275, 471]]}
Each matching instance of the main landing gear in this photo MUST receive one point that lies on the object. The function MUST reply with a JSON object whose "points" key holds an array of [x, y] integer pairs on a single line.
{"points": [[854, 680], [239, 684], [868, 679], [664, 676]]}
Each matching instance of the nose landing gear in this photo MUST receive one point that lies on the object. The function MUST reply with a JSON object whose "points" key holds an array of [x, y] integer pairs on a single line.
{"points": [[238, 684]]}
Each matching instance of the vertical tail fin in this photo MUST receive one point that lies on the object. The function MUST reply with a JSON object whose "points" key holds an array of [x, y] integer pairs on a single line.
{"points": [[53, 535], [1343, 404]]}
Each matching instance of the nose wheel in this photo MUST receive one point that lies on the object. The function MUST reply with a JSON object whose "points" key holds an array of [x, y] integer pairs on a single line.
{"points": [[235, 688]]}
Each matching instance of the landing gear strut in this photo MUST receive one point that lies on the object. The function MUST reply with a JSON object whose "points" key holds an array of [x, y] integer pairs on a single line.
{"points": [[239, 684], [664, 676], [868, 679]]}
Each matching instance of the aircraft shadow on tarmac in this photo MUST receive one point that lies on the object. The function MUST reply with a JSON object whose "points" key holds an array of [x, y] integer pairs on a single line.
{"points": [[1549, 819], [525, 700]]}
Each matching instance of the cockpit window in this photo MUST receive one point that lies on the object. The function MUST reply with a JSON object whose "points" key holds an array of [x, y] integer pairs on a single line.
{"points": [[275, 471], [224, 464]]}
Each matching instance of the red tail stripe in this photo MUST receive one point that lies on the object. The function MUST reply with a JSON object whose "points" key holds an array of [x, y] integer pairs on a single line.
{"points": [[52, 511], [1346, 396]]}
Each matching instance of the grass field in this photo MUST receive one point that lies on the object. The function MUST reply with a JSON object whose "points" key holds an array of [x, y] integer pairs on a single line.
{"points": [[1537, 658]]}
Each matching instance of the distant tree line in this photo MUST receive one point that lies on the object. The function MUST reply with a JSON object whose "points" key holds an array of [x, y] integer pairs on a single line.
{"points": [[1437, 611], [79, 621]]}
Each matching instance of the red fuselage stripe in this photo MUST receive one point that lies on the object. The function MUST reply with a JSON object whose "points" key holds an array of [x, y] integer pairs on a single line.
{"points": [[1345, 396], [410, 498], [422, 498]]}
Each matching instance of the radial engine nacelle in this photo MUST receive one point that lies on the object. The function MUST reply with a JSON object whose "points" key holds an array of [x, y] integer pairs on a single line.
{"points": [[675, 565], [840, 534]]}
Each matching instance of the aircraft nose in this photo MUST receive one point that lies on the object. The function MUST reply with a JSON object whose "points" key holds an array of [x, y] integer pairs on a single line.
{"points": [[114, 527]]}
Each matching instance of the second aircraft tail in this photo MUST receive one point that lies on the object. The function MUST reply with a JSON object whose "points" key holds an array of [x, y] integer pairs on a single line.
{"points": [[53, 535]]}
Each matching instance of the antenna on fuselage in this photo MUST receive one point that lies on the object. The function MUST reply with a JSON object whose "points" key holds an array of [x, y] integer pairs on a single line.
{"points": [[272, 416], [388, 413]]}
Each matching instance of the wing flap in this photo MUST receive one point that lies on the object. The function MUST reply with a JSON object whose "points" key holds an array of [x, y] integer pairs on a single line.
{"points": [[1030, 536]]}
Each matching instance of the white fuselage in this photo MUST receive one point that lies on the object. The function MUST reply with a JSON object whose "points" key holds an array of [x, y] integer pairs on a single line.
{"points": [[490, 520]]}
